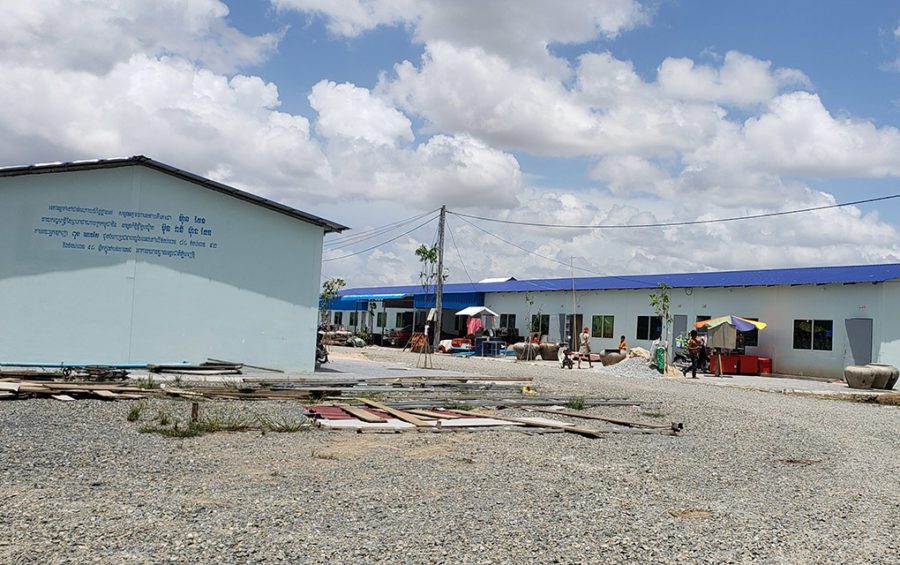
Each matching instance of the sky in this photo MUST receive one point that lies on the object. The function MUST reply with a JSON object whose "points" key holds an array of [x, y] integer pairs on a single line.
{"points": [[375, 113]]}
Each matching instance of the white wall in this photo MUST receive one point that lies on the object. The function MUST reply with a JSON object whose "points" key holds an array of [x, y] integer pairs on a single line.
{"points": [[249, 295], [778, 306]]}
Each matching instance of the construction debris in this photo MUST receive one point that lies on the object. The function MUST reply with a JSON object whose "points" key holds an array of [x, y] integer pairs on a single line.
{"points": [[381, 417]]}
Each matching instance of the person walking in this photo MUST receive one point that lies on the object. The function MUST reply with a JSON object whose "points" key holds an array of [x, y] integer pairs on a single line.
{"points": [[584, 349], [693, 345]]}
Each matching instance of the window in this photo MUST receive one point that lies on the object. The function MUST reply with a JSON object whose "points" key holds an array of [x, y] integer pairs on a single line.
{"points": [[398, 321], [813, 334], [540, 324], [381, 319], [751, 338], [354, 317], [507, 320], [338, 318], [602, 326], [703, 330], [649, 327]]}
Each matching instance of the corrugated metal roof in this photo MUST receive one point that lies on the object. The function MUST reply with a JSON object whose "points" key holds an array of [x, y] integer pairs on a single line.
{"points": [[767, 277], [176, 172]]}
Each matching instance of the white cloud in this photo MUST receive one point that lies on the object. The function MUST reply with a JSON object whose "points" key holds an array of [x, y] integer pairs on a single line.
{"points": [[351, 112], [94, 35], [741, 80], [166, 108], [517, 30], [459, 171], [797, 135]]}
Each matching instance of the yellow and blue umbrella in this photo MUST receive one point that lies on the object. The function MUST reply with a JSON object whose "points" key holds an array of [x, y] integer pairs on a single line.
{"points": [[740, 324]]}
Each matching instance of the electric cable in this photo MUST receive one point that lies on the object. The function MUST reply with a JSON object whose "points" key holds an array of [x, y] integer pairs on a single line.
{"points": [[426, 222], [458, 254], [360, 237], [563, 263], [684, 223]]}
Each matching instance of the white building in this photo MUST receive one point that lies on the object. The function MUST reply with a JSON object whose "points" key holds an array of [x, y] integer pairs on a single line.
{"points": [[131, 261], [819, 319]]}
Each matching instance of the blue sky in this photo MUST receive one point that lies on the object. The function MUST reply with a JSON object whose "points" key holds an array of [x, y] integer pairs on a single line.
{"points": [[581, 112]]}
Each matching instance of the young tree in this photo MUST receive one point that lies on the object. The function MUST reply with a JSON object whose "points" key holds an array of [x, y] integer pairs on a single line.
{"points": [[330, 290], [428, 276], [659, 301]]}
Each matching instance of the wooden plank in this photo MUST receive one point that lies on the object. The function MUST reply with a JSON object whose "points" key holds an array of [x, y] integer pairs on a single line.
{"points": [[105, 394], [62, 397], [628, 423], [361, 413], [430, 414], [586, 432], [10, 387], [6, 395], [399, 414]]}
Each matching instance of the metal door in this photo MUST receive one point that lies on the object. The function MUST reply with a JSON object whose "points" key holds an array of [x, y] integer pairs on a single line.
{"points": [[858, 350], [679, 326]]}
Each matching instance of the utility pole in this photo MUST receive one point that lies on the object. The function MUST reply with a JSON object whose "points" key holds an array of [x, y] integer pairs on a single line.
{"points": [[574, 306], [439, 285]]}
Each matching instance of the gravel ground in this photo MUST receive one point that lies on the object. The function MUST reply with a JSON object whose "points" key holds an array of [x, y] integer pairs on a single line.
{"points": [[81, 484]]}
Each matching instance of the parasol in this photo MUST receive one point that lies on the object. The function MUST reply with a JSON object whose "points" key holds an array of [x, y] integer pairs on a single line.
{"points": [[740, 324]]}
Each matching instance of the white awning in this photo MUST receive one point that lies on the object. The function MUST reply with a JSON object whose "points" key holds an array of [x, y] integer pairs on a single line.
{"points": [[476, 311]]}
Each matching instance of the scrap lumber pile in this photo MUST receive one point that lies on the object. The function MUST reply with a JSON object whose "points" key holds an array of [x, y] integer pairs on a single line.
{"points": [[371, 416], [207, 368], [67, 372], [336, 337], [67, 391], [303, 389]]}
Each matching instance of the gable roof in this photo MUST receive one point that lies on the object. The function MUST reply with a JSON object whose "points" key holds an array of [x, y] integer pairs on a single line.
{"points": [[43, 168], [763, 277]]}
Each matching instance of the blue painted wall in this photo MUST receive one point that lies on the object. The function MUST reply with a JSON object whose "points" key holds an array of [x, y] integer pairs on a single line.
{"points": [[131, 265]]}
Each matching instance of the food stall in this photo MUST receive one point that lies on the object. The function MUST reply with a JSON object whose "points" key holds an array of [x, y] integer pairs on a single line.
{"points": [[723, 338]]}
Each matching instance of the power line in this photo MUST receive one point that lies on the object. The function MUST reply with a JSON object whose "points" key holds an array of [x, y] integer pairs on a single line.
{"points": [[426, 222], [359, 237], [684, 223], [563, 263], [458, 254], [517, 246]]}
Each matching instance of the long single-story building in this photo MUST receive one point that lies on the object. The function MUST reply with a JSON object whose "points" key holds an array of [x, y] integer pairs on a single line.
{"points": [[131, 261], [819, 319]]}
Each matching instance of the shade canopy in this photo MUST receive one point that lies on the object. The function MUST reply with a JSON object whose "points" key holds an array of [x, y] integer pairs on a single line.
{"points": [[740, 324], [476, 311]]}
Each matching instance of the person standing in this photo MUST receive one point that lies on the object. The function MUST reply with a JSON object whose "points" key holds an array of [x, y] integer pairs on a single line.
{"points": [[584, 349], [693, 345]]}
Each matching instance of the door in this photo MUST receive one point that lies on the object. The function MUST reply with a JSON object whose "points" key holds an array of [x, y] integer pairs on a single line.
{"points": [[679, 326], [858, 350], [567, 334]]}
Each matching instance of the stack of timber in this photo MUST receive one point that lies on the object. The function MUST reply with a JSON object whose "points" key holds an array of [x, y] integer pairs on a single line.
{"points": [[67, 391], [68, 372], [372, 416], [336, 337]]}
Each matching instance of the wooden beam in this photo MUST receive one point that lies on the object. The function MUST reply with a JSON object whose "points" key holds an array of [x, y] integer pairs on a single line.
{"points": [[362, 414], [10, 387], [430, 414], [399, 414], [628, 423], [586, 432]]}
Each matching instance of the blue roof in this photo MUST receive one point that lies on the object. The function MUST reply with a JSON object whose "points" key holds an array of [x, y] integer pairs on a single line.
{"points": [[767, 277]]}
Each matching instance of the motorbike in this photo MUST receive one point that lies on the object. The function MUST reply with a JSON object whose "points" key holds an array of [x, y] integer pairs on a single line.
{"points": [[321, 352], [566, 356]]}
